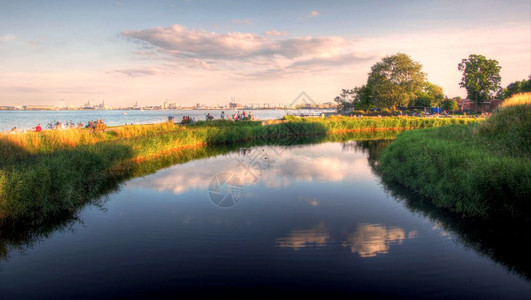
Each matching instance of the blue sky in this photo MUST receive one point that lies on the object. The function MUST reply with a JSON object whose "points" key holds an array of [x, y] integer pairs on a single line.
{"points": [[259, 51]]}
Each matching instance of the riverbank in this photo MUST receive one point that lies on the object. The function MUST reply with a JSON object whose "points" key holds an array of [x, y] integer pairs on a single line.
{"points": [[44, 174], [476, 170]]}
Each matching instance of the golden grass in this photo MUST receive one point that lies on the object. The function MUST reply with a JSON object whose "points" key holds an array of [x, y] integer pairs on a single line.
{"points": [[518, 99], [52, 139], [129, 131]]}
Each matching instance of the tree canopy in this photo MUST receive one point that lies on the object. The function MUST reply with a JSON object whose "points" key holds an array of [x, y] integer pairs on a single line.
{"points": [[430, 95], [395, 80], [515, 88], [481, 77], [449, 105]]}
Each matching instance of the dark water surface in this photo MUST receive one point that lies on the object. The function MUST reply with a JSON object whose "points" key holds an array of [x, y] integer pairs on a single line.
{"points": [[290, 221]]}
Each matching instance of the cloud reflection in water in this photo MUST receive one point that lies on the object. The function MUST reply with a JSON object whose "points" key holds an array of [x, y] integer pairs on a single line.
{"points": [[367, 240], [306, 164]]}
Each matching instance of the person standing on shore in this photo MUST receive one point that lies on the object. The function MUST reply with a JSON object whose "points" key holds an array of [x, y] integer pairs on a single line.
{"points": [[38, 128], [222, 115]]}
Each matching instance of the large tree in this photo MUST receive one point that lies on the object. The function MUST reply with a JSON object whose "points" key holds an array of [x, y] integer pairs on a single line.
{"points": [[481, 77], [395, 81]]}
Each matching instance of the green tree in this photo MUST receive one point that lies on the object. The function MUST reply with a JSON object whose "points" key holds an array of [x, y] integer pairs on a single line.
{"points": [[430, 95], [395, 81], [345, 100], [356, 98], [450, 105], [481, 77], [363, 98], [515, 88]]}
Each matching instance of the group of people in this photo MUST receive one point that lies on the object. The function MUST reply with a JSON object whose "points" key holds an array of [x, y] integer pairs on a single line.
{"points": [[65, 125], [96, 125], [238, 116], [187, 120], [208, 117]]}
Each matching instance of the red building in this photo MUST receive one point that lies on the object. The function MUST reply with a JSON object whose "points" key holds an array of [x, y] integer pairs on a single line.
{"points": [[467, 105]]}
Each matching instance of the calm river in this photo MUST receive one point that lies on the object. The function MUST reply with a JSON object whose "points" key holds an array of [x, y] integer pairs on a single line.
{"points": [[310, 220]]}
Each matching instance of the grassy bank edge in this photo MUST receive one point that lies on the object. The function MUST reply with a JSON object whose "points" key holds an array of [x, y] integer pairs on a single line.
{"points": [[44, 175], [475, 170]]}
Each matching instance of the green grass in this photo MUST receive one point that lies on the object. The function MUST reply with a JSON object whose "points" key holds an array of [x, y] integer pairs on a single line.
{"points": [[45, 174], [341, 123], [477, 170]]}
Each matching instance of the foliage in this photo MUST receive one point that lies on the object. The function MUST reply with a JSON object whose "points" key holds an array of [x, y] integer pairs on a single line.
{"points": [[345, 100], [481, 77], [449, 105], [477, 170], [515, 88], [395, 81], [359, 98], [430, 95]]}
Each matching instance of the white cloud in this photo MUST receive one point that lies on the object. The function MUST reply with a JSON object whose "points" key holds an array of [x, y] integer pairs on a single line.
{"points": [[6, 38], [312, 14]]}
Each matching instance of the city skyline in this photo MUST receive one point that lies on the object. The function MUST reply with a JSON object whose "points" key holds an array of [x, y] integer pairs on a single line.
{"points": [[208, 51]]}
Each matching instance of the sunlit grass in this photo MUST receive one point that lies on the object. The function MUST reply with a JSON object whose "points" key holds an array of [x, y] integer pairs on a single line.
{"points": [[44, 173], [518, 99], [477, 169]]}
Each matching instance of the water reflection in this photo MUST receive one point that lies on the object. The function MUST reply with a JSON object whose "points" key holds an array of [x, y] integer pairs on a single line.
{"points": [[371, 239], [314, 165], [307, 164], [297, 239], [367, 240]]}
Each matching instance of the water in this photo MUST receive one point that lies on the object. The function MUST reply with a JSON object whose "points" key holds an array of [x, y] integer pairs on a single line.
{"points": [[310, 220], [30, 119]]}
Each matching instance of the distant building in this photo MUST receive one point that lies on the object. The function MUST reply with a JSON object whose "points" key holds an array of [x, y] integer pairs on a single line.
{"points": [[234, 105], [467, 105], [40, 107]]}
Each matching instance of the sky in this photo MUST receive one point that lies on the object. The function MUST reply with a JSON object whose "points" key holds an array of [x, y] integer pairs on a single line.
{"points": [[201, 51]]}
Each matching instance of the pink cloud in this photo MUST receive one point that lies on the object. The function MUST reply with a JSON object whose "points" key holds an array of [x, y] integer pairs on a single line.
{"points": [[276, 33], [312, 14], [179, 41]]}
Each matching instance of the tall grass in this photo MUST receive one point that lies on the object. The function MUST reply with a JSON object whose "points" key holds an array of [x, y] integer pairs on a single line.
{"points": [[342, 123], [43, 174], [477, 170], [522, 99]]}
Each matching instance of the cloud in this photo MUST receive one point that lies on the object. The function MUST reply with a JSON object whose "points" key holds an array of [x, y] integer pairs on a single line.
{"points": [[276, 33], [312, 14], [339, 60], [6, 38], [179, 41], [136, 72]]}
